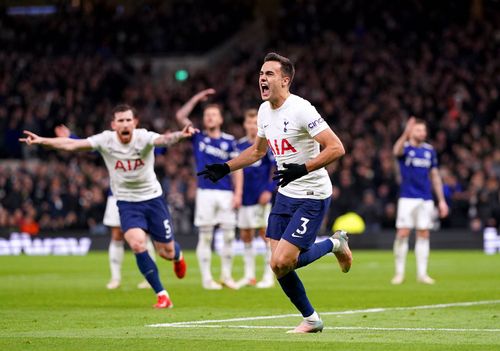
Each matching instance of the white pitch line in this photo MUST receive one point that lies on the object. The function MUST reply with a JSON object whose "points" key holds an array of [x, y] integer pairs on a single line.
{"points": [[221, 326], [369, 310]]}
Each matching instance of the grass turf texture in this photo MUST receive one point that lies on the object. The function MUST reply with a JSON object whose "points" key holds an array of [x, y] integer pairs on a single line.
{"points": [[60, 303]]}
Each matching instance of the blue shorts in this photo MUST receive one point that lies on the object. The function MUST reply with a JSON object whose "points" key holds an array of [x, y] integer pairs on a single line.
{"points": [[152, 216], [296, 220]]}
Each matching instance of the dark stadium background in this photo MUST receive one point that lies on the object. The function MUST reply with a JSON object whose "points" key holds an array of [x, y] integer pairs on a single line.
{"points": [[366, 65]]}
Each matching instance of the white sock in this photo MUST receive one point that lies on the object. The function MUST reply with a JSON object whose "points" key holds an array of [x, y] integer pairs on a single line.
{"points": [[336, 244], [151, 248], [116, 252], [249, 260], [422, 248], [268, 272], [400, 252], [313, 317], [163, 292], [227, 252], [204, 252]]}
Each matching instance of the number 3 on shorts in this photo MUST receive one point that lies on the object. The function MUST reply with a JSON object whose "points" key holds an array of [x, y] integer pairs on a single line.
{"points": [[303, 228], [168, 228]]}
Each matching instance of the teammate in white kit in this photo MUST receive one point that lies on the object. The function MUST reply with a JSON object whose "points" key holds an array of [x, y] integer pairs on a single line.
{"points": [[256, 206], [116, 249], [129, 158], [292, 128], [419, 175]]}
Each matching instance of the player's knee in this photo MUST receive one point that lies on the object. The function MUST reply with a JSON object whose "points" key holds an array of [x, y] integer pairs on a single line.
{"points": [[281, 265], [137, 246]]}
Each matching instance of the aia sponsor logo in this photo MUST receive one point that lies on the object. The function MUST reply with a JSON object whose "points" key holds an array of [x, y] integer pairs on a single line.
{"points": [[280, 147], [129, 165]]}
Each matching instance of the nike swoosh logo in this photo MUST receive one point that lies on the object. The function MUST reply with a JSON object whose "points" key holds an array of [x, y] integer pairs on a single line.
{"points": [[266, 125], [297, 236]]}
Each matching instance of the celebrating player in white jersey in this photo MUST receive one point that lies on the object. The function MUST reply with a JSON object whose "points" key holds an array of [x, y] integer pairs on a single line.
{"points": [[256, 206], [116, 249], [419, 175], [216, 204], [129, 158], [292, 128]]}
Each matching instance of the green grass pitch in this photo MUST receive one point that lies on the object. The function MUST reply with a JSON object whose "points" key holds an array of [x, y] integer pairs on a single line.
{"points": [[60, 303]]}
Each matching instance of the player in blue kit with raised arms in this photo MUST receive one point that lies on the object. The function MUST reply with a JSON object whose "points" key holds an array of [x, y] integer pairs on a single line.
{"points": [[216, 204], [258, 187], [128, 153], [292, 128], [419, 176]]}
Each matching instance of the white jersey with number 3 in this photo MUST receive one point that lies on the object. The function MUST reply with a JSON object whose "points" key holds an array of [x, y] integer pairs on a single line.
{"points": [[289, 131], [130, 166]]}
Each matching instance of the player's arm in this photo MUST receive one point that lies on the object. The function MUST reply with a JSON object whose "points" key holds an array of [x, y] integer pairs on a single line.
{"points": [[216, 171], [182, 116], [399, 145], [332, 150], [59, 143], [437, 186], [170, 138]]}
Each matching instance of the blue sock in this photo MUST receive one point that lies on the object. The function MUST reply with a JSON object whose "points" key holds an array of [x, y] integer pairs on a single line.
{"points": [[316, 251], [149, 270], [294, 289], [177, 251]]}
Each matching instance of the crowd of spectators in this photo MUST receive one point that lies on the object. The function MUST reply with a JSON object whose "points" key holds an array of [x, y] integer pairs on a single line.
{"points": [[366, 76]]}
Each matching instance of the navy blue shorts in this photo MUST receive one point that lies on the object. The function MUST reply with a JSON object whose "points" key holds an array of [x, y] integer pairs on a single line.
{"points": [[296, 220], [152, 216]]}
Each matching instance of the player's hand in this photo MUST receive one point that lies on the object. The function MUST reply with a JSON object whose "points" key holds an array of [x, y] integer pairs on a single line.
{"points": [[409, 126], [203, 95], [31, 139], [236, 201], [215, 171], [265, 197], [189, 130], [290, 172], [62, 131], [443, 209]]}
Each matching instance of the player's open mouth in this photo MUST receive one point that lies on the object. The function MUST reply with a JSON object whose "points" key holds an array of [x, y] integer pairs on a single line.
{"points": [[125, 132], [264, 89]]}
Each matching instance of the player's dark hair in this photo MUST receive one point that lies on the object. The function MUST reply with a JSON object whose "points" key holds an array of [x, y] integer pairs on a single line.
{"points": [[250, 113], [287, 68], [213, 105], [123, 108], [420, 121]]}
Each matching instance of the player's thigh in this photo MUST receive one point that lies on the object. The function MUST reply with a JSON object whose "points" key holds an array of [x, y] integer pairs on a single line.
{"points": [[225, 214], [132, 215], [306, 222], [253, 216], [160, 225], [111, 214], [285, 254], [406, 213], [425, 215], [205, 208]]}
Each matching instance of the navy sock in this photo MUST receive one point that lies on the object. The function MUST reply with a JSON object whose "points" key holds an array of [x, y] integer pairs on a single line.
{"points": [[177, 254], [316, 251], [294, 289], [149, 270]]}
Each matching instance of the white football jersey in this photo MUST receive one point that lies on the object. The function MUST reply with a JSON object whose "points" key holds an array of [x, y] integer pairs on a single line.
{"points": [[289, 131], [130, 166]]}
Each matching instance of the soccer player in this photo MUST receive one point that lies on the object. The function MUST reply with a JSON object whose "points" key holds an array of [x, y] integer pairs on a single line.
{"points": [[419, 175], [216, 204], [129, 158], [256, 206], [292, 128], [116, 249]]}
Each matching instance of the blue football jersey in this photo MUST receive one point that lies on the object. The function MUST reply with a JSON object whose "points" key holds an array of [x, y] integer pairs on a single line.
{"points": [[209, 150], [415, 165], [256, 177]]}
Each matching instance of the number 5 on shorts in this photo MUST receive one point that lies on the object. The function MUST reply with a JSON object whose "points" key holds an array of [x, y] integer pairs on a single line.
{"points": [[168, 228]]}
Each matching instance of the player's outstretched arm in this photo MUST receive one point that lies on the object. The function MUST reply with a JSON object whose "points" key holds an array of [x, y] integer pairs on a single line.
{"points": [[399, 146], [58, 143], [182, 116], [168, 139], [216, 171], [437, 186]]}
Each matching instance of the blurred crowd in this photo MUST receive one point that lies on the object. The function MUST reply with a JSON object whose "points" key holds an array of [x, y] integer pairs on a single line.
{"points": [[365, 74]]}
